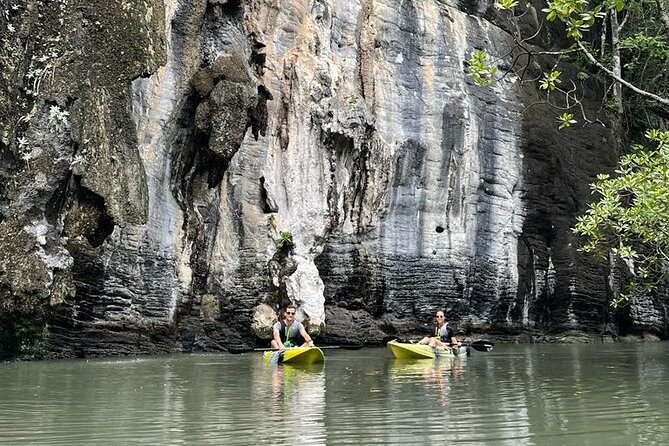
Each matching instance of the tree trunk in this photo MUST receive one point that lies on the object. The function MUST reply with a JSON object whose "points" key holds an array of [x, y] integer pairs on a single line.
{"points": [[617, 67], [602, 50], [664, 13]]}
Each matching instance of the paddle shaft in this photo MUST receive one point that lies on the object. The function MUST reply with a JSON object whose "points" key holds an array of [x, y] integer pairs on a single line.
{"points": [[278, 349], [322, 347], [479, 346]]}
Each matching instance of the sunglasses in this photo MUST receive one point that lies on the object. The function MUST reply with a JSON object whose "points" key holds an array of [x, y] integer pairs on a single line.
{"points": [[290, 312], [440, 317]]}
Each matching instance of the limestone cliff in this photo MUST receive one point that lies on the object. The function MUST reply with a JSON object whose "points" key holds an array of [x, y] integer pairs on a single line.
{"points": [[173, 171]]}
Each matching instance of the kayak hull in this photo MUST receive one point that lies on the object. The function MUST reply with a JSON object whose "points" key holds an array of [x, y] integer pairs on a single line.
{"points": [[402, 350], [296, 355], [411, 351]]}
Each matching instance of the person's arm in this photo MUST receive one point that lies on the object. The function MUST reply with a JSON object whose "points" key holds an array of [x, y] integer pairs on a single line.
{"points": [[277, 339], [306, 337], [454, 340]]}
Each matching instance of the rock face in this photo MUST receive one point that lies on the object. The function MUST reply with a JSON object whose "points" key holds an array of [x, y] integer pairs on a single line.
{"points": [[175, 171]]}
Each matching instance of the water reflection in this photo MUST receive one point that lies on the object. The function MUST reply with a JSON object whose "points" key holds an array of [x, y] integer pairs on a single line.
{"points": [[437, 374], [296, 406]]}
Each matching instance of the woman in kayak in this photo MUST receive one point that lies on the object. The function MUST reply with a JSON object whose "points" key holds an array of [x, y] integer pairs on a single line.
{"points": [[289, 332], [444, 336]]}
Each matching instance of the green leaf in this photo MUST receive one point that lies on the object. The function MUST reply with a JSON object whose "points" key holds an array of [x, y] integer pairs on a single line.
{"points": [[480, 70], [506, 4], [566, 120], [631, 218], [550, 80]]}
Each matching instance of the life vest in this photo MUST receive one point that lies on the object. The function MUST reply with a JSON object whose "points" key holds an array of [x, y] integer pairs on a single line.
{"points": [[289, 342], [445, 338]]}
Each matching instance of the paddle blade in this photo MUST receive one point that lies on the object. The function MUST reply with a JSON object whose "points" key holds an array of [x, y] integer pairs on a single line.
{"points": [[237, 350], [482, 346], [347, 347]]}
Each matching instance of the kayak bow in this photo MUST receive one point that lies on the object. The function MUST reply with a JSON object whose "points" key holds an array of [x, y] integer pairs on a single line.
{"points": [[296, 355], [402, 350]]}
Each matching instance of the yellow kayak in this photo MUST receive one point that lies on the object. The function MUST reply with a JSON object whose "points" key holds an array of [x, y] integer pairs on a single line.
{"points": [[296, 355], [402, 350]]}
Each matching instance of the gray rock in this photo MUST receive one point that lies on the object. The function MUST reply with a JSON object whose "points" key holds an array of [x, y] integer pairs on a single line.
{"points": [[166, 179]]}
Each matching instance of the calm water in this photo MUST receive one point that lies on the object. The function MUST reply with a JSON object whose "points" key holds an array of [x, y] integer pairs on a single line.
{"points": [[515, 395]]}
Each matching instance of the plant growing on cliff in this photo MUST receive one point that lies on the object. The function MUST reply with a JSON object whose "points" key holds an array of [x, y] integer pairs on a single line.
{"points": [[285, 240], [506, 4], [480, 69], [58, 119]]}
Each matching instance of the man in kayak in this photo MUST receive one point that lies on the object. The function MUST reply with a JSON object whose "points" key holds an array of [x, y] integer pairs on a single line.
{"points": [[443, 334], [289, 332]]}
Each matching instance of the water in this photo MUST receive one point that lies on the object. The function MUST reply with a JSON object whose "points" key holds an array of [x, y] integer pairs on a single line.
{"points": [[515, 395]]}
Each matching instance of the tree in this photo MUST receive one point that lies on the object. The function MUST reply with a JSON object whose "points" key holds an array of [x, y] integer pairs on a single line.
{"points": [[628, 43], [631, 219], [633, 49]]}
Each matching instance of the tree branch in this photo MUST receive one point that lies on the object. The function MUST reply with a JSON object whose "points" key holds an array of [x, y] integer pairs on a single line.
{"points": [[622, 81], [658, 76], [622, 24]]}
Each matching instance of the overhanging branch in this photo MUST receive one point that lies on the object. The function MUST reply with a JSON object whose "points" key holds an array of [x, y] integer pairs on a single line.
{"points": [[649, 95]]}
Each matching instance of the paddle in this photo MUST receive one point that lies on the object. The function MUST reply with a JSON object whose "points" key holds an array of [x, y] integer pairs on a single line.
{"points": [[481, 346], [322, 347]]}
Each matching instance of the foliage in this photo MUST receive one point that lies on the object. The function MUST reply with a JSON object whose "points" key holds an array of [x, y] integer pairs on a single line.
{"points": [[23, 337], [566, 120], [550, 81], [575, 14], [641, 44], [631, 218], [285, 240], [480, 70], [628, 42], [506, 4], [641, 56], [645, 62]]}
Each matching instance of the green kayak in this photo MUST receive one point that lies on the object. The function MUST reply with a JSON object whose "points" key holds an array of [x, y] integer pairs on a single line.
{"points": [[296, 355]]}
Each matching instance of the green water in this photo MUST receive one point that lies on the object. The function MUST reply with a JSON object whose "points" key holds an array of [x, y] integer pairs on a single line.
{"points": [[515, 395]]}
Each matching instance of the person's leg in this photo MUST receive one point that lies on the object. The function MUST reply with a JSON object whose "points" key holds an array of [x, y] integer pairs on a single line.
{"points": [[274, 344], [433, 342], [425, 340]]}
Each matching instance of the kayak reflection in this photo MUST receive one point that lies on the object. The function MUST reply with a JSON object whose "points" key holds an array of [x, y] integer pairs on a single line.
{"points": [[437, 374], [298, 402]]}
